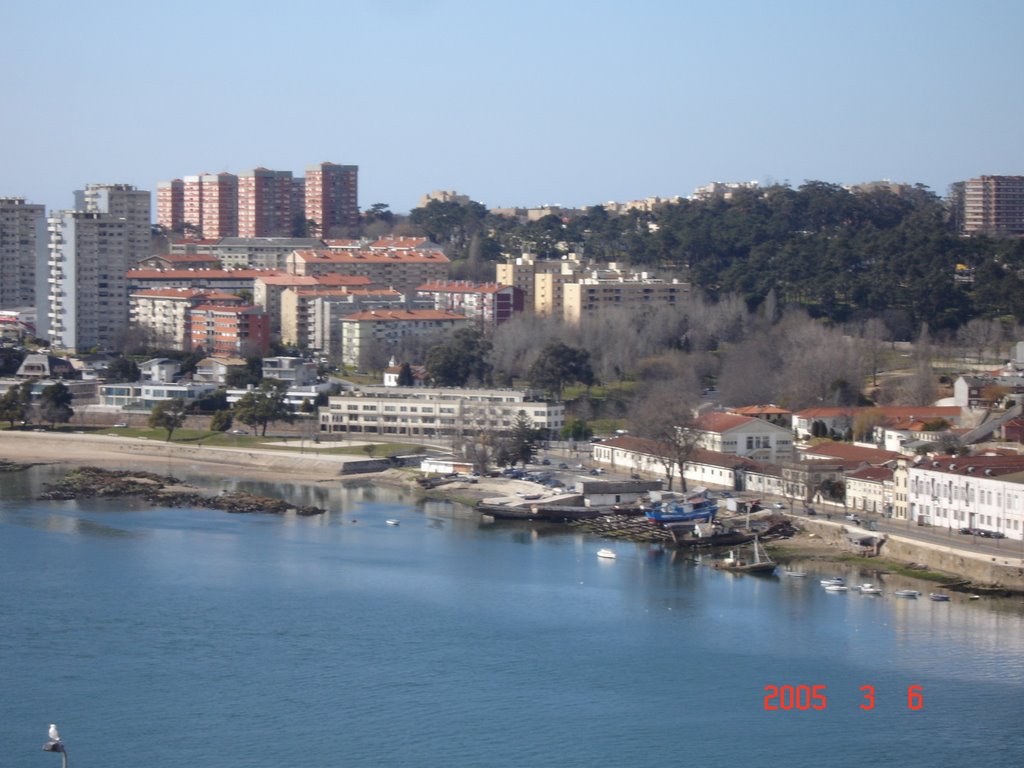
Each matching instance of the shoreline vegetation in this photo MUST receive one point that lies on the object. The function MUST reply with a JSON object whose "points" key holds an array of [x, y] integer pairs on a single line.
{"points": [[98, 470]]}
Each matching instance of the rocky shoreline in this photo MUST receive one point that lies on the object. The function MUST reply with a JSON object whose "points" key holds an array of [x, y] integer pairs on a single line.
{"points": [[93, 482]]}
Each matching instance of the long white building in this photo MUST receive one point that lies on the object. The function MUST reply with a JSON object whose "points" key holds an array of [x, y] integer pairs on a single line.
{"points": [[427, 412]]}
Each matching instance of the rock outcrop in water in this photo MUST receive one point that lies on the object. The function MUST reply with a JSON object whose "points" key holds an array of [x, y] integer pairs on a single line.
{"points": [[92, 482]]}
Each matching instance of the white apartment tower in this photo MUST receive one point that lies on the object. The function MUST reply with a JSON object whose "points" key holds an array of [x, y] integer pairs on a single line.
{"points": [[22, 253], [91, 249]]}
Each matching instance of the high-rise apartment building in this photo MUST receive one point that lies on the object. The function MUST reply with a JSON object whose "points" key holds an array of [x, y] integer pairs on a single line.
{"points": [[332, 197], [170, 204], [994, 205], [265, 203], [220, 205], [22, 253], [192, 205], [91, 249]]}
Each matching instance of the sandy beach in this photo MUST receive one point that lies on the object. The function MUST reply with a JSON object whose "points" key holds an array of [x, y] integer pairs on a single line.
{"points": [[116, 452]]}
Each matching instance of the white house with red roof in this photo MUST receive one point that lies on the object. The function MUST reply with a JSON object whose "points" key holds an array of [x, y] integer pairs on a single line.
{"points": [[746, 436], [985, 493]]}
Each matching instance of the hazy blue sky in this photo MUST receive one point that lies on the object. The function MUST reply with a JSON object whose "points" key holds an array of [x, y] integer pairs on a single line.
{"points": [[512, 103]]}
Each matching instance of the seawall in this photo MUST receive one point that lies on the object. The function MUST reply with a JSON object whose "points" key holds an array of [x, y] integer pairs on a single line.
{"points": [[981, 568]]}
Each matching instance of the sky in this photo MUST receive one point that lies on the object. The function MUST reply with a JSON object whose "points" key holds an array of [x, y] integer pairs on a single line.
{"points": [[513, 103]]}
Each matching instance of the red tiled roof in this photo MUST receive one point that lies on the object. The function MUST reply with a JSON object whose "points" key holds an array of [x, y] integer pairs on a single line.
{"points": [[462, 287], [404, 315], [878, 474], [850, 452], [375, 257], [218, 274], [722, 422], [754, 410]]}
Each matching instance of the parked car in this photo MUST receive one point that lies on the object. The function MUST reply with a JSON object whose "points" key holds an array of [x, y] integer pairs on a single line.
{"points": [[545, 462], [778, 505], [563, 465], [809, 511]]}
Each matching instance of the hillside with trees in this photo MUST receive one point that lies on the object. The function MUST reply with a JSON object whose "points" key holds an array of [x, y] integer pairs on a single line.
{"points": [[841, 255]]}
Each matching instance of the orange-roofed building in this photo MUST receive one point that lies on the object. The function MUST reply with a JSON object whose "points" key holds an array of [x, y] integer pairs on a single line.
{"points": [[240, 331], [179, 261], [369, 338], [311, 315], [162, 314], [753, 438], [403, 270], [772, 413]]}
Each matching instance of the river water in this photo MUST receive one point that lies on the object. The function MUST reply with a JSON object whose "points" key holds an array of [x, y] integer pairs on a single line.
{"points": [[180, 637]]}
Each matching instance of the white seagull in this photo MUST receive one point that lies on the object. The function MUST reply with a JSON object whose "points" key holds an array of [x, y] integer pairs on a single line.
{"points": [[54, 733]]}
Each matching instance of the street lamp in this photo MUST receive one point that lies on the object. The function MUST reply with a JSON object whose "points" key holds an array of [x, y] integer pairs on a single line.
{"points": [[56, 745]]}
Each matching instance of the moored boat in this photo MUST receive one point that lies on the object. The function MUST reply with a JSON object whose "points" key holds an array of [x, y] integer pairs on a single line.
{"points": [[393, 521], [836, 588], [796, 574], [911, 593], [938, 597], [869, 589], [760, 562], [834, 581], [606, 554]]}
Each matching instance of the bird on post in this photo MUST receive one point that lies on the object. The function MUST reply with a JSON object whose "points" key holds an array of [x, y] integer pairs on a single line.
{"points": [[54, 733]]}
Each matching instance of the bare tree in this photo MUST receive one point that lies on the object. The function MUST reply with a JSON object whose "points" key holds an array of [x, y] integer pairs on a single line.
{"points": [[662, 415]]}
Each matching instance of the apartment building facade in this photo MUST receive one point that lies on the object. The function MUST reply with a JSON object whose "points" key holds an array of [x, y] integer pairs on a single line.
{"points": [[265, 203], [402, 270], [235, 331], [164, 314], [371, 336], [332, 197], [994, 205], [23, 251], [489, 304], [90, 252], [170, 204]]}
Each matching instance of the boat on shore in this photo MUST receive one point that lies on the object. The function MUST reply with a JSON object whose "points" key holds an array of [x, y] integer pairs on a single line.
{"points": [[697, 506], [759, 562], [706, 536], [606, 554]]}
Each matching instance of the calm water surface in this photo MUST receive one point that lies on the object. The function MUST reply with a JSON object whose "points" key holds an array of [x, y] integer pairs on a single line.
{"points": [[179, 637]]}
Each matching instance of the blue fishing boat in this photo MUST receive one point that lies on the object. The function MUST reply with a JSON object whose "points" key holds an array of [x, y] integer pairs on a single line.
{"points": [[697, 507]]}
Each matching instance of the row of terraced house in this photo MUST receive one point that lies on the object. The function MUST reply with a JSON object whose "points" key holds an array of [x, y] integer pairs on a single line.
{"points": [[754, 450]]}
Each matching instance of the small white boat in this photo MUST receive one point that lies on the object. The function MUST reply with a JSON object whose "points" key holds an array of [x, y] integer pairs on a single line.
{"points": [[796, 574], [393, 521], [607, 554], [869, 589], [911, 593], [836, 588], [835, 581]]}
